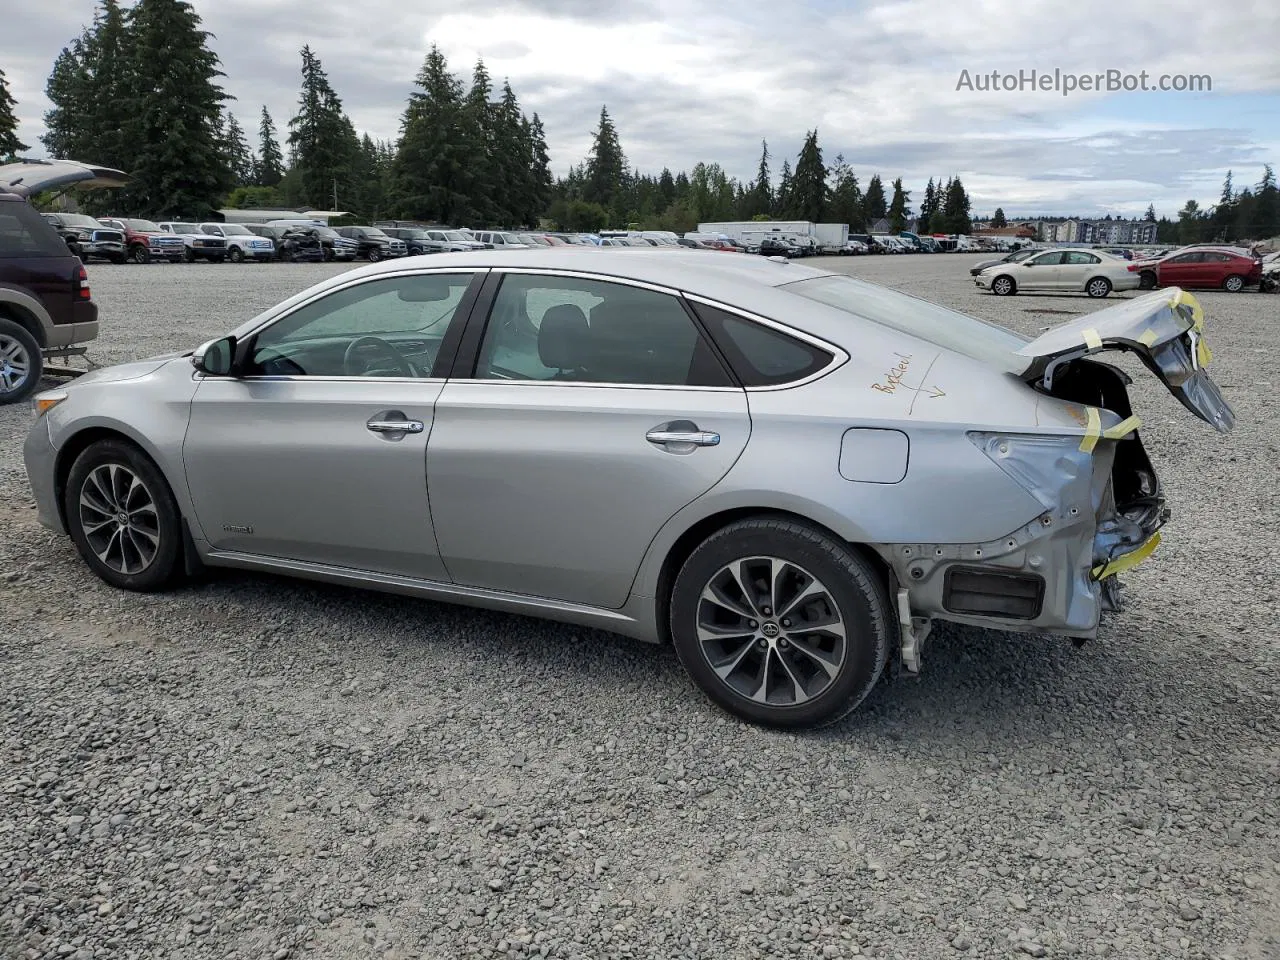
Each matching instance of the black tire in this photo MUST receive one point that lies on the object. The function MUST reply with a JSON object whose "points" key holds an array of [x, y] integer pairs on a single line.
{"points": [[851, 584], [235, 255], [167, 528], [1233, 283], [1147, 280], [17, 339], [1098, 287], [1004, 286], [188, 256], [374, 254], [140, 254], [216, 259], [328, 255], [119, 258]]}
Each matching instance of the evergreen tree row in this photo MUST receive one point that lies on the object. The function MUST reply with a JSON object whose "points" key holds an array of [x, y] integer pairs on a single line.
{"points": [[604, 191]]}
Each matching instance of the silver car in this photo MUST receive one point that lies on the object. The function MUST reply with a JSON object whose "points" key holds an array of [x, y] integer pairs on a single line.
{"points": [[785, 472]]}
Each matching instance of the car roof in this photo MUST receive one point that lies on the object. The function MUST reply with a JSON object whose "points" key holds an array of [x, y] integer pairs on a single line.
{"points": [[742, 281]]}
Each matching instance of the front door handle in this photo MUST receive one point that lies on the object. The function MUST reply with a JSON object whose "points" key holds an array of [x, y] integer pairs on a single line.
{"points": [[396, 426], [699, 438]]}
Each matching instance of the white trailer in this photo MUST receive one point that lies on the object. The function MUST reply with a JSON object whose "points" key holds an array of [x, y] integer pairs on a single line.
{"points": [[825, 236], [831, 237]]}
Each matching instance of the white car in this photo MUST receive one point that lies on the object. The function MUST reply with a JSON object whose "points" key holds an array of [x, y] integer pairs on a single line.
{"points": [[198, 245], [1060, 271], [242, 243], [498, 239]]}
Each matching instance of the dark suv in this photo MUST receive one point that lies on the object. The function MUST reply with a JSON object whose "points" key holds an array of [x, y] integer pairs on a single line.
{"points": [[45, 305]]}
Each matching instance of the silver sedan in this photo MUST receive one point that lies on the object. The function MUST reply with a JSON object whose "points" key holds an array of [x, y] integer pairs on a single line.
{"points": [[786, 473]]}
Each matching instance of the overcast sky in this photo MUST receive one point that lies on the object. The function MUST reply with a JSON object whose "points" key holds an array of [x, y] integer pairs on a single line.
{"points": [[688, 80]]}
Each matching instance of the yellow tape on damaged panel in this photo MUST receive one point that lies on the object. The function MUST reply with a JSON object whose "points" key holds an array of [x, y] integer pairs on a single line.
{"points": [[1092, 430], [1129, 560]]}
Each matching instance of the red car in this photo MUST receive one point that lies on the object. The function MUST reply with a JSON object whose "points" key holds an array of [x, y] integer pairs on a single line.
{"points": [[1217, 269]]}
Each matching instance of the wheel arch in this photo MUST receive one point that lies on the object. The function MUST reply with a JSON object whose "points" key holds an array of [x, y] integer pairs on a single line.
{"points": [[71, 447], [1005, 276], [24, 315], [698, 532]]}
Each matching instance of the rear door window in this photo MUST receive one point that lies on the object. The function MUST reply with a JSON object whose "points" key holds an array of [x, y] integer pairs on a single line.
{"points": [[24, 233]]}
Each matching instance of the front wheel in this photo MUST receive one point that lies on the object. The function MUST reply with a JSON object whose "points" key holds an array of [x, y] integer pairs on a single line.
{"points": [[1003, 286], [375, 255], [1098, 287], [21, 363], [236, 255], [1233, 283], [122, 517], [780, 624], [118, 258], [140, 254], [188, 256]]}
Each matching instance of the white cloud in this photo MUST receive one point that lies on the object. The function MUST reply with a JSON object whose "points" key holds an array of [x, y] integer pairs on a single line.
{"points": [[706, 80]]}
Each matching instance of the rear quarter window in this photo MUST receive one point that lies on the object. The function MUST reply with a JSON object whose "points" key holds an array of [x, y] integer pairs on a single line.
{"points": [[24, 233], [761, 356]]}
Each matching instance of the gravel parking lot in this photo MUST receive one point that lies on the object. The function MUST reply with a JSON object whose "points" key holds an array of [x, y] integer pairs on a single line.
{"points": [[260, 768]]}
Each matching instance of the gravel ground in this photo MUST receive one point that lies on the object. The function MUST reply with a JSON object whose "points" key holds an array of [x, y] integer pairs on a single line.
{"points": [[259, 768]]}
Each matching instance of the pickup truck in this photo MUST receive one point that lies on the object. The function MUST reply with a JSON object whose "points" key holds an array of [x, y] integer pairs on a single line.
{"points": [[199, 245], [87, 238], [145, 241], [242, 243]]}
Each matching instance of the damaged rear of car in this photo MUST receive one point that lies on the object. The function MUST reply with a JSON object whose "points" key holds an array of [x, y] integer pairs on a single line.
{"points": [[1072, 443]]}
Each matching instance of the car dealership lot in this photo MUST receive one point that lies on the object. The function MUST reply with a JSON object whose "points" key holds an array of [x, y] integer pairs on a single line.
{"points": [[252, 765]]}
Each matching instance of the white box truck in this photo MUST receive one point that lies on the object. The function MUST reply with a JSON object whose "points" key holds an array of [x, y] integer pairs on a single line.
{"points": [[826, 237]]}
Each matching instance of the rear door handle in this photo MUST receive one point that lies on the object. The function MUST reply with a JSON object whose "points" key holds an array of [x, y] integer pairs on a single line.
{"points": [[699, 438], [396, 426]]}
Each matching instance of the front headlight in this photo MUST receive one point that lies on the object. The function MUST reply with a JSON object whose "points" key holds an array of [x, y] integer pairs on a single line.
{"points": [[42, 403]]}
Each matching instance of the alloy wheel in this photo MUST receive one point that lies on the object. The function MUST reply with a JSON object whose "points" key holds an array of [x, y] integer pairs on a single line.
{"points": [[1099, 288], [771, 631], [1002, 286], [15, 364], [1234, 284], [119, 518]]}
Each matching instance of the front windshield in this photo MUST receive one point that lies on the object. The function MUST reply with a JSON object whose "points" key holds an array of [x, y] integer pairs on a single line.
{"points": [[184, 228], [144, 226], [509, 238], [376, 233], [323, 232], [235, 230], [950, 329], [1020, 255], [80, 220]]}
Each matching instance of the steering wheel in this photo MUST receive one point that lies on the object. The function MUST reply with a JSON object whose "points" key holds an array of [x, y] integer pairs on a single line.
{"points": [[399, 364]]}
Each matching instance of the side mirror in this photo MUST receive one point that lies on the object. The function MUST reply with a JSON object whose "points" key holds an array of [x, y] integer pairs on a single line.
{"points": [[215, 358]]}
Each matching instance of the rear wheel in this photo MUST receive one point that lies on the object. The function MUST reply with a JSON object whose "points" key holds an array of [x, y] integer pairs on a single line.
{"points": [[1098, 287], [139, 254], [122, 517], [1233, 283], [1003, 286], [21, 363], [780, 624], [1147, 280]]}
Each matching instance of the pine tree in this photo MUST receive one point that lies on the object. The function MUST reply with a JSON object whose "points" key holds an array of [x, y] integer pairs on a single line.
{"points": [[322, 142], [109, 66], [666, 188], [759, 199], [782, 209], [955, 208], [270, 159], [428, 170], [485, 188], [539, 169], [874, 205], [10, 145], [846, 196], [998, 218], [1266, 207], [809, 182], [606, 166], [928, 209], [899, 212], [238, 155], [174, 105], [1150, 215], [69, 89]]}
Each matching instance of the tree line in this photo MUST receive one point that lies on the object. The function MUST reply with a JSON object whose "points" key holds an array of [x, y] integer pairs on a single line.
{"points": [[139, 89]]}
